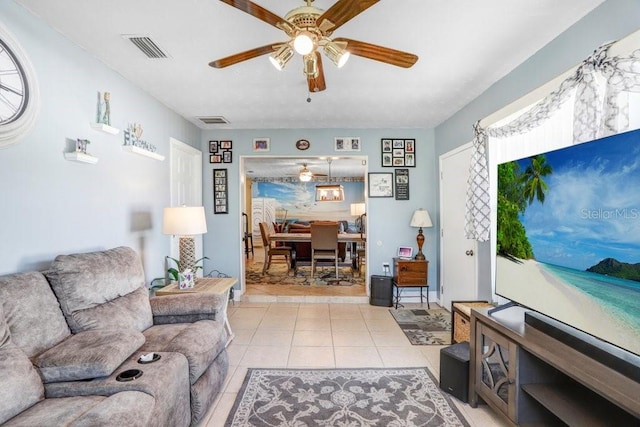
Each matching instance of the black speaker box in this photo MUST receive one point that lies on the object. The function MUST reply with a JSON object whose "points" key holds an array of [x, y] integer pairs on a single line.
{"points": [[381, 291], [454, 370]]}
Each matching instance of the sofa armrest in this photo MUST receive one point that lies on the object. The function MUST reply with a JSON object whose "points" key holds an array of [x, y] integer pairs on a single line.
{"points": [[89, 354], [186, 308]]}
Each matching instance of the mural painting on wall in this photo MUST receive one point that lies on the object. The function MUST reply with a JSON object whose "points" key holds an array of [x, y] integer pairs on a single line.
{"points": [[297, 200]]}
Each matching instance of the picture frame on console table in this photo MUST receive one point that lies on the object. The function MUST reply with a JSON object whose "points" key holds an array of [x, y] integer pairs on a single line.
{"points": [[220, 192]]}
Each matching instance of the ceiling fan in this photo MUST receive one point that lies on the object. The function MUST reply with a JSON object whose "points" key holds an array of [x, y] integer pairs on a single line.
{"points": [[305, 175], [309, 29]]}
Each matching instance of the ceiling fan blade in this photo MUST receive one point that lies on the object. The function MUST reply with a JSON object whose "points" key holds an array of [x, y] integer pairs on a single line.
{"points": [[341, 12], [317, 84], [379, 53], [243, 56], [261, 13]]}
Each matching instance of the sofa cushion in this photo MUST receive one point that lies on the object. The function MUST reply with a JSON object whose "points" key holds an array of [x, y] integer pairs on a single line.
{"points": [[199, 342], [20, 384], [32, 312], [101, 290], [89, 354], [128, 408]]}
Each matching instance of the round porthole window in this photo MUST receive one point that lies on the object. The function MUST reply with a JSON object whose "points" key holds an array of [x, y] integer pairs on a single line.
{"points": [[18, 91]]}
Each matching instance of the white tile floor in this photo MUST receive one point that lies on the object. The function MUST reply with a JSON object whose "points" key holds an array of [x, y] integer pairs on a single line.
{"points": [[292, 335]]}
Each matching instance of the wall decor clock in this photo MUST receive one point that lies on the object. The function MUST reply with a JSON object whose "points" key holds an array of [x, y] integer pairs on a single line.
{"points": [[18, 91], [303, 144]]}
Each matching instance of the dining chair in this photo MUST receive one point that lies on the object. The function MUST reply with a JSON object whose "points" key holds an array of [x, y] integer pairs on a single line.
{"points": [[324, 244], [270, 251]]}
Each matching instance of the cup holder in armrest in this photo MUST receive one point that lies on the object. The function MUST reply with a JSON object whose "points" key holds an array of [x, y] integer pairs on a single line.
{"points": [[149, 358], [129, 375]]}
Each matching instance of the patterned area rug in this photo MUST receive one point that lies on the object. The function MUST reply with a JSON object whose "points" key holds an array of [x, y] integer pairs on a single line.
{"points": [[424, 327], [342, 397], [325, 275]]}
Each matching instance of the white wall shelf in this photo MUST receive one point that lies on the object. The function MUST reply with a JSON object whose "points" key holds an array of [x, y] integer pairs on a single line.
{"points": [[142, 152], [105, 128], [76, 156]]}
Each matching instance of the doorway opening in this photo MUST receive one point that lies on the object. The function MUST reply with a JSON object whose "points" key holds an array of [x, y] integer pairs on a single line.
{"points": [[273, 192]]}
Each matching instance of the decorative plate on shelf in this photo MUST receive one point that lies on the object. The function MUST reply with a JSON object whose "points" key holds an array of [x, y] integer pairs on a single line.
{"points": [[302, 144]]}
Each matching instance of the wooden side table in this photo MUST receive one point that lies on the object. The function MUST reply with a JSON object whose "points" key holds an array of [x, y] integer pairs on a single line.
{"points": [[410, 273], [214, 285]]}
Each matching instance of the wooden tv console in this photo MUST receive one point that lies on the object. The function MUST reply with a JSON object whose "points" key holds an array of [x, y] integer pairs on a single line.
{"points": [[533, 379]]}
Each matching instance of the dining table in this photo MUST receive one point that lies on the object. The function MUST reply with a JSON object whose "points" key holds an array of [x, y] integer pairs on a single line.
{"points": [[306, 237]]}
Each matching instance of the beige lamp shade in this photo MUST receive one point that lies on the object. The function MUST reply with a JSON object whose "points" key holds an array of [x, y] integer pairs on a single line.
{"points": [[184, 221], [421, 219]]}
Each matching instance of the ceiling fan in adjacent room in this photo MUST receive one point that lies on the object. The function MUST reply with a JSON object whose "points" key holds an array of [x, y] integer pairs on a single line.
{"points": [[305, 175], [309, 30]]}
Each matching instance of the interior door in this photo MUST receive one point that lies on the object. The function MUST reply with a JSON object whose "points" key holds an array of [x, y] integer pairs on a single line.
{"points": [[458, 278], [186, 185]]}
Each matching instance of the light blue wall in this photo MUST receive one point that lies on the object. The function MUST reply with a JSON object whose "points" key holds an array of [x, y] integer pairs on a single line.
{"points": [[612, 20], [51, 206], [388, 219]]}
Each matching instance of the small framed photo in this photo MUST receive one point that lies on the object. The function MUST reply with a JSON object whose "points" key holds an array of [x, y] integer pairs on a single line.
{"points": [[225, 145], [347, 143], [261, 144], [215, 158], [226, 157], [213, 146], [380, 184], [387, 146], [405, 251]]}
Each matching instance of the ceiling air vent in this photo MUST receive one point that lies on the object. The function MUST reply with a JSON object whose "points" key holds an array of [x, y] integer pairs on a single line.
{"points": [[213, 120], [147, 46]]}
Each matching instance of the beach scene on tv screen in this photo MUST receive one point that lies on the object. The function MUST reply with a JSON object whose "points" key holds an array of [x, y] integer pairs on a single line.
{"points": [[568, 236]]}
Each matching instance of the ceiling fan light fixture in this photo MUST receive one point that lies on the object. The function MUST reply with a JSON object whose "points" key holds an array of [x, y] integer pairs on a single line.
{"points": [[336, 54], [311, 66], [305, 175], [280, 57], [304, 42]]}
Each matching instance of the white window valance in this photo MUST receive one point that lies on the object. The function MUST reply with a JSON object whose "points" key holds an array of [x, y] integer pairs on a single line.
{"points": [[601, 85]]}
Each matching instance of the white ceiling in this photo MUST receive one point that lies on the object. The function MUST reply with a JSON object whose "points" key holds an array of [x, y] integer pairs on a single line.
{"points": [[463, 47]]}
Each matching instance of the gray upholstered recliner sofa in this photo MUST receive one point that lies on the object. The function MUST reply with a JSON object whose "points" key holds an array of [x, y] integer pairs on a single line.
{"points": [[67, 334]]}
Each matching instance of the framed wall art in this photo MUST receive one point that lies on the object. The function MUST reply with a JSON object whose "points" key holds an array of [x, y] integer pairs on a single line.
{"points": [[220, 152], [380, 184], [261, 144], [347, 143], [220, 192], [402, 184], [398, 152]]}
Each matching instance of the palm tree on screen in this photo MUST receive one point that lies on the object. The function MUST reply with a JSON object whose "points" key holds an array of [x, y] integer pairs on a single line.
{"points": [[533, 178]]}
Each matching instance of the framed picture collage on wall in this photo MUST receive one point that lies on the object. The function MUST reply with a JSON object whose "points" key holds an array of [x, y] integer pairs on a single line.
{"points": [[220, 152], [220, 192], [398, 153]]}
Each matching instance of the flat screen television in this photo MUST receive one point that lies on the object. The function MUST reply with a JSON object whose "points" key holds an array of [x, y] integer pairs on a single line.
{"points": [[568, 237]]}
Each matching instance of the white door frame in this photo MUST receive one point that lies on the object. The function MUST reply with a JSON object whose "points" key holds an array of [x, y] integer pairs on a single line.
{"points": [[473, 243], [180, 152]]}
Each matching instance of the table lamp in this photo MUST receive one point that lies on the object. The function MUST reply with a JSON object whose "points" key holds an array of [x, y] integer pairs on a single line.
{"points": [[420, 219], [186, 222]]}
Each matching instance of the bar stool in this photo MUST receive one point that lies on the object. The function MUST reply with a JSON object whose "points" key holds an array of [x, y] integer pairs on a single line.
{"points": [[247, 237]]}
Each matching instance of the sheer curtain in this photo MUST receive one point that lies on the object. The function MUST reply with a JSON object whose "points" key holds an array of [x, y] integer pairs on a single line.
{"points": [[601, 98]]}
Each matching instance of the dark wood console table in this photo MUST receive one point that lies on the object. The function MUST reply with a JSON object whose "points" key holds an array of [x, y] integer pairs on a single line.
{"points": [[533, 379]]}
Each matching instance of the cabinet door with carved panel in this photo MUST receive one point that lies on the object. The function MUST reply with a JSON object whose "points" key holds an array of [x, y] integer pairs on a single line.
{"points": [[496, 370]]}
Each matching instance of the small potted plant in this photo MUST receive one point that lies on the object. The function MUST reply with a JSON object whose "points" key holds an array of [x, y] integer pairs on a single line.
{"points": [[174, 273]]}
